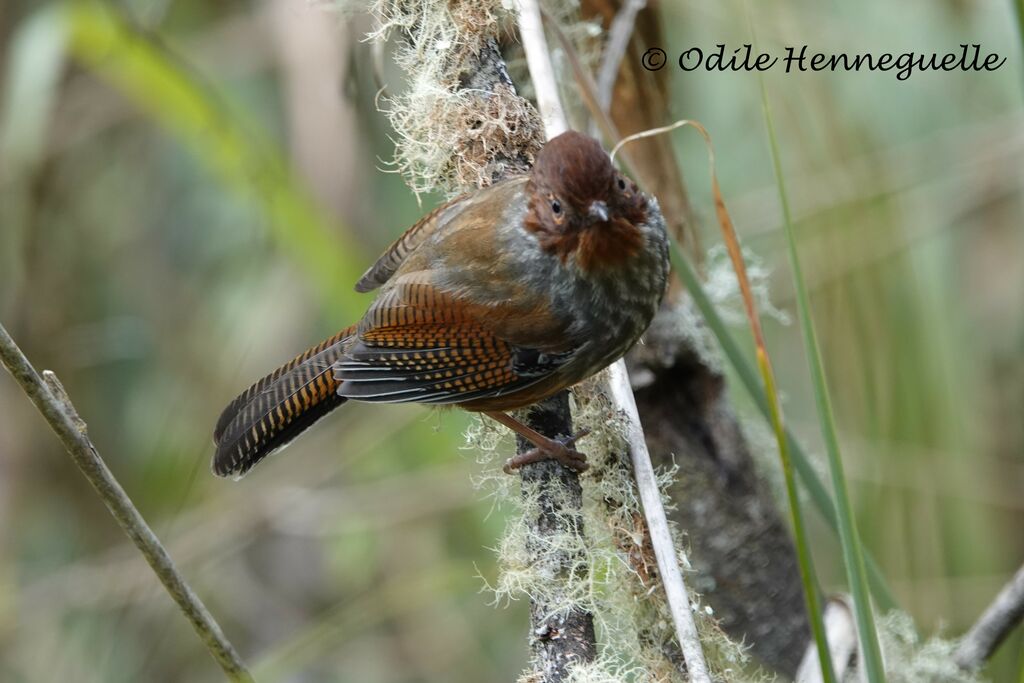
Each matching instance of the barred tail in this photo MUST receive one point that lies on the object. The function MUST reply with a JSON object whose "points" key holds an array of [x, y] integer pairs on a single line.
{"points": [[272, 412]]}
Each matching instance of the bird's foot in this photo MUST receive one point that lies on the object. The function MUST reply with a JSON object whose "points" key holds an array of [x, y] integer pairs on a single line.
{"points": [[554, 449]]}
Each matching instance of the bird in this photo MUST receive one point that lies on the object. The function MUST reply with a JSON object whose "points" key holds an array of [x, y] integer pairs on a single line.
{"points": [[493, 301]]}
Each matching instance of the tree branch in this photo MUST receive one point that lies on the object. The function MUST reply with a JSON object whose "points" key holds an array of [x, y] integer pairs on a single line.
{"points": [[559, 637], [53, 403], [995, 623]]}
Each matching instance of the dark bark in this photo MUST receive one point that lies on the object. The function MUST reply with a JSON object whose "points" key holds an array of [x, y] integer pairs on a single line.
{"points": [[557, 640], [487, 71]]}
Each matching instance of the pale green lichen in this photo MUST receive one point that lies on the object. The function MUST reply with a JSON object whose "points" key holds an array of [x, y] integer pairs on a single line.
{"points": [[909, 659], [682, 325], [447, 138], [723, 288], [607, 669]]}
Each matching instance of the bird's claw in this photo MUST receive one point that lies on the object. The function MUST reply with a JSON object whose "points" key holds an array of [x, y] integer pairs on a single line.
{"points": [[560, 449]]}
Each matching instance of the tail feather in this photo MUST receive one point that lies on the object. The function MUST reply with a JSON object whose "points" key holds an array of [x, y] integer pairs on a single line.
{"points": [[272, 412]]}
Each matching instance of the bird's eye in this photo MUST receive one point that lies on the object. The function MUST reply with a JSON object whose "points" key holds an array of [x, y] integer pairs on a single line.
{"points": [[622, 185], [556, 207]]}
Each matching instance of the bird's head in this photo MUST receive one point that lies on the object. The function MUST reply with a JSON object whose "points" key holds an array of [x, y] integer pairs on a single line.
{"points": [[581, 207]]}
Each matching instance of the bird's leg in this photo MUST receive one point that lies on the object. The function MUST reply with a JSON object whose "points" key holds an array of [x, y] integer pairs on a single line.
{"points": [[546, 449]]}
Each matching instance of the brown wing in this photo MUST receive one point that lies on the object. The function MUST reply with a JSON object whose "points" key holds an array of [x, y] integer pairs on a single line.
{"points": [[474, 205], [393, 256], [420, 344]]}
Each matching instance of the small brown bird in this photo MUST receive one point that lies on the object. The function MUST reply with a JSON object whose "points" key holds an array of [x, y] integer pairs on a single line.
{"points": [[493, 301]]}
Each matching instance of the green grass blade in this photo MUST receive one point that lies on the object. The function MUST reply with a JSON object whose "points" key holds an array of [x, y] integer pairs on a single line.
{"points": [[148, 75], [853, 556], [748, 378], [803, 549]]}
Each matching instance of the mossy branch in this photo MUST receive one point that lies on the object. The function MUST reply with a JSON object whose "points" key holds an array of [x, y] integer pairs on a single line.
{"points": [[459, 124], [49, 397], [619, 390]]}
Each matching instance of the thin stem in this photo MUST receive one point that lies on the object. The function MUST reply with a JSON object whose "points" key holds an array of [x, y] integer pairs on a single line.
{"points": [[56, 408], [542, 73], [619, 33], [621, 394], [807, 574], [804, 559]]}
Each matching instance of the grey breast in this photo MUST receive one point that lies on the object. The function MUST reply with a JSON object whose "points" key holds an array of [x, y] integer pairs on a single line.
{"points": [[610, 311]]}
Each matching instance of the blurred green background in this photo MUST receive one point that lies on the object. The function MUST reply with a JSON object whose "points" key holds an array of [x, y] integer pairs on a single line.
{"points": [[185, 203]]}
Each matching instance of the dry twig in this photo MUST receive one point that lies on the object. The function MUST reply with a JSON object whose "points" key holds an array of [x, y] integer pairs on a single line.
{"points": [[542, 73], [52, 401]]}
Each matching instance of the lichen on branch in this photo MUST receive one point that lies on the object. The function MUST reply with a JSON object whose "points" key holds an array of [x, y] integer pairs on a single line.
{"points": [[613, 571], [458, 122]]}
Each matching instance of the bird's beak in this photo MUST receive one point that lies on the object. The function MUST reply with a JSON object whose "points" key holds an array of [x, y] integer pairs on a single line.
{"points": [[598, 211]]}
